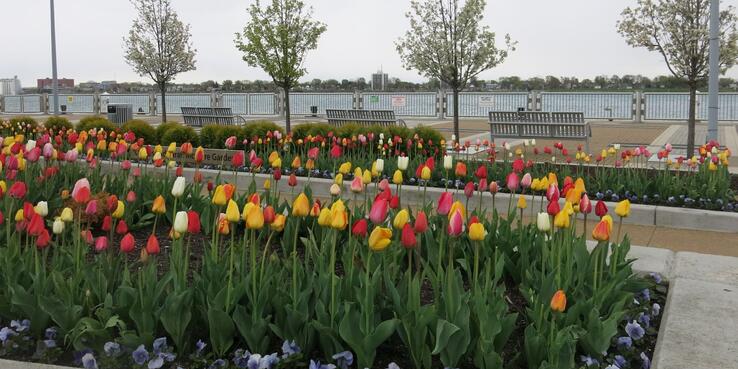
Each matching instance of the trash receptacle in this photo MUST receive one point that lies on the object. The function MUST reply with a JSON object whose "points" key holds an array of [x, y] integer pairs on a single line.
{"points": [[120, 113], [314, 110], [63, 109]]}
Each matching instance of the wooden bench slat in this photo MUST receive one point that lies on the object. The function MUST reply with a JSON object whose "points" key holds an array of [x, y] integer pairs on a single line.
{"points": [[554, 125]]}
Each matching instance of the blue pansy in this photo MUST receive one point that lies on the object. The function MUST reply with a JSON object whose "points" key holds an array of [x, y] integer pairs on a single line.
{"points": [[620, 361], [589, 361], [254, 361], [656, 277], [645, 320], [199, 346], [317, 365], [78, 355], [156, 363], [50, 333], [50, 343], [112, 348], [241, 358], [20, 325], [344, 359], [612, 367], [140, 355], [88, 361], [646, 294], [625, 342], [6, 333], [289, 348], [160, 344], [634, 330], [656, 309], [646, 362], [392, 365], [218, 364]]}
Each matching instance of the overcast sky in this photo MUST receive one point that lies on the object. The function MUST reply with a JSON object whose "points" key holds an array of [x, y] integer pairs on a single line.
{"points": [[560, 38]]}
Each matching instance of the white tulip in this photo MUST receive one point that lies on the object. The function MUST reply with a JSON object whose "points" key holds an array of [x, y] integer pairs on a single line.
{"points": [[30, 145], [58, 226], [42, 209], [543, 222], [507, 146], [380, 165], [181, 222], [553, 159], [178, 187], [453, 137], [381, 136], [533, 142], [172, 164], [616, 146], [335, 189], [402, 162], [448, 162], [381, 141], [526, 142], [714, 150]]}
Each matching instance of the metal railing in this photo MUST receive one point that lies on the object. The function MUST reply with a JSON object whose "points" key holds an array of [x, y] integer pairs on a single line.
{"points": [[595, 105]]}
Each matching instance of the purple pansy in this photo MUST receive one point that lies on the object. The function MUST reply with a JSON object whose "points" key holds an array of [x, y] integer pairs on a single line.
{"points": [[634, 330]]}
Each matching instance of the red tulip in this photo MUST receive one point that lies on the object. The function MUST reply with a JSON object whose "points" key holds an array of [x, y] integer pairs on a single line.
{"points": [[493, 187], [101, 244], [313, 153], [473, 219], [112, 203], [335, 152], [292, 181], [469, 189], [552, 193], [87, 237], [444, 203], [269, 214], [121, 227], [394, 202], [600, 208], [36, 225], [131, 197], [430, 163], [378, 212], [518, 165], [152, 245], [407, 238], [193, 222], [91, 208], [421, 222], [127, 243], [28, 210], [107, 223], [553, 208], [179, 171], [277, 174], [359, 228], [237, 159], [481, 172], [482, 185], [456, 224], [43, 239], [17, 190]]}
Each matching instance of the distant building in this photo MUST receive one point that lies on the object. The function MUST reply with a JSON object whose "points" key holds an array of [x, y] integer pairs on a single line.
{"points": [[10, 86], [63, 83], [379, 81]]}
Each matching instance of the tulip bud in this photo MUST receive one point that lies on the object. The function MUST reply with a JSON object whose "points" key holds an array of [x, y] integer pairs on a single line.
{"points": [[101, 244], [181, 222], [469, 189], [407, 237], [335, 189], [448, 162], [379, 165], [558, 301], [178, 187], [42, 209], [58, 226]]}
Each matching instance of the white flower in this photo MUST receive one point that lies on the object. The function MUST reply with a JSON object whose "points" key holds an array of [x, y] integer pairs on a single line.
{"points": [[178, 187], [507, 146], [453, 137], [42, 209], [402, 162], [379, 165], [335, 189], [30, 145], [181, 222], [553, 159], [448, 162], [616, 146], [543, 222], [58, 226], [533, 142], [526, 142]]}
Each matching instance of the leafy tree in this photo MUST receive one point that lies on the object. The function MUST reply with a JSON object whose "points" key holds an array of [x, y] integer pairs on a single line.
{"points": [[679, 31], [277, 39], [158, 45], [446, 41]]}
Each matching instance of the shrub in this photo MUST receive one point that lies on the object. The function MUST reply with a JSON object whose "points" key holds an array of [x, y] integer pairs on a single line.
{"points": [[428, 134], [22, 124], [180, 135], [314, 129], [260, 128], [162, 128], [57, 124], [142, 129], [209, 136], [227, 131], [95, 121], [400, 131]]}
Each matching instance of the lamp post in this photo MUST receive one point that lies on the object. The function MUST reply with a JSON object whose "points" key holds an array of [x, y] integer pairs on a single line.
{"points": [[713, 82], [54, 81]]}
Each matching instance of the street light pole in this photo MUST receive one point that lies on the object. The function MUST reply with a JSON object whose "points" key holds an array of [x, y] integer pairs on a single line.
{"points": [[713, 82], [54, 81]]}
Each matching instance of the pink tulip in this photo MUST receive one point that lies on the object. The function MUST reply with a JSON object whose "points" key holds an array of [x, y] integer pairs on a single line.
{"points": [[101, 244], [91, 208], [81, 185], [482, 185], [469, 189], [444, 203], [585, 205], [71, 156], [313, 153], [493, 187], [125, 165], [48, 150], [357, 185], [526, 181], [668, 147], [384, 185], [131, 197], [513, 181], [378, 213], [136, 172], [230, 142], [456, 224], [552, 193]]}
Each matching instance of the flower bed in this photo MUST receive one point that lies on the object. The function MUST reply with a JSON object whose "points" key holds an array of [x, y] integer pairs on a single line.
{"points": [[127, 269]]}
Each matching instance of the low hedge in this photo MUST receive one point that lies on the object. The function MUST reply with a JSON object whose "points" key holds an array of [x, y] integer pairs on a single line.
{"points": [[57, 124], [142, 129], [95, 121], [180, 135], [22, 124], [162, 129]]}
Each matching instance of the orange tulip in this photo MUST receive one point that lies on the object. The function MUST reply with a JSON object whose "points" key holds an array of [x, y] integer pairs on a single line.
{"points": [[460, 169], [601, 231], [558, 301], [159, 206]]}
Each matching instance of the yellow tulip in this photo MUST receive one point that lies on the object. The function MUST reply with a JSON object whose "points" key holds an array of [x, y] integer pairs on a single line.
{"points": [[561, 220], [366, 178], [278, 223], [232, 214], [345, 168], [401, 219], [67, 215], [324, 219], [425, 173], [522, 204], [339, 179], [254, 217], [301, 206], [339, 217], [277, 163], [397, 177], [120, 210], [159, 206], [568, 208], [380, 238], [477, 232], [272, 157], [457, 205], [623, 208], [579, 185], [143, 154], [219, 196], [19, 215], [267, 184]]}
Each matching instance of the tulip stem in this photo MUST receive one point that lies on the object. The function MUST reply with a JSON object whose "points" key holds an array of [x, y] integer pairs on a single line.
{"points": [[476, 265], [332, 271], [294, 263], [230, 272]]}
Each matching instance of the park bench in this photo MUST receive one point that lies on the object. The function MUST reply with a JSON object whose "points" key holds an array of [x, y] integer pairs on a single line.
{"points": [[554, 125], [384, 118], [199, 117]]}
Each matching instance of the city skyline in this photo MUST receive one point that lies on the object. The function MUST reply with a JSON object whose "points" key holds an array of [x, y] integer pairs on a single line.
{"points": [[556, 45]]}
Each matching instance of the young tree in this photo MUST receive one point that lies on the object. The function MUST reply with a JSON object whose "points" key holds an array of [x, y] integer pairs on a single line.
{"points": [[446, 41], [679, 31], [158, 45], [277, 39]]}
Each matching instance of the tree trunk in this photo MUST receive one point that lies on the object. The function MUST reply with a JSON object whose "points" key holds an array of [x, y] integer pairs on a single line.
{"points": [[287, 109], [456, 113], [691, 122], [163, 88]]}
